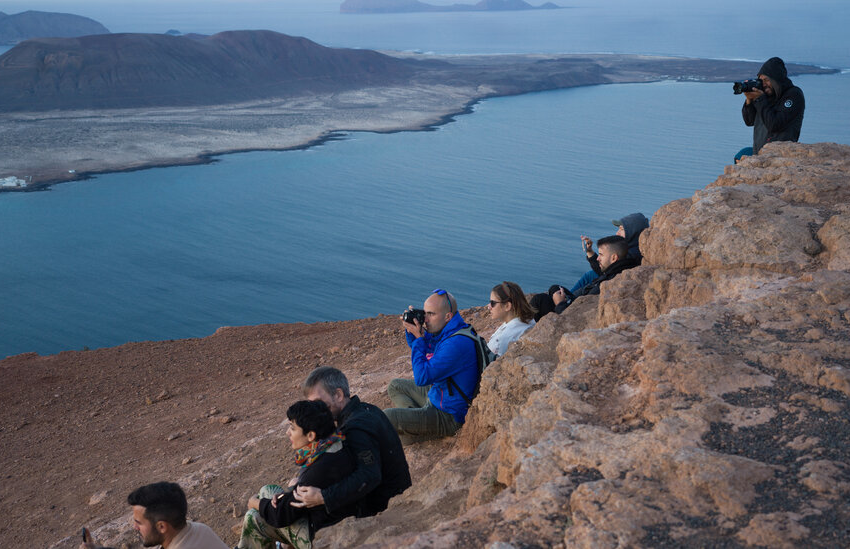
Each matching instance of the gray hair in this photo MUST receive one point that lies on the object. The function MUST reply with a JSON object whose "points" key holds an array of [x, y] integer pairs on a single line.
{"points": [[330, 378]]}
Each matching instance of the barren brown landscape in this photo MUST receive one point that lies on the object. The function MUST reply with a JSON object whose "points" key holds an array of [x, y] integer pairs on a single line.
{"points": [[702, 400]]}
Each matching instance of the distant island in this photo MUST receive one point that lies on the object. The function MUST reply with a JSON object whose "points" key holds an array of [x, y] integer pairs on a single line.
{"points": [[73, 107], [413, 6], [35, 24]]}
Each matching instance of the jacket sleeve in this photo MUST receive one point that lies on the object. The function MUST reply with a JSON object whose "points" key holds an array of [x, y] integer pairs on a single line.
{"points": [[284, 515], [365, 478], [777, 116], [450, 353], [749, 114], [594, 264]]}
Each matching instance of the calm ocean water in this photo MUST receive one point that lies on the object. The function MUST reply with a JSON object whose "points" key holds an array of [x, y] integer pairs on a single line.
{"points": [[371, 223]]}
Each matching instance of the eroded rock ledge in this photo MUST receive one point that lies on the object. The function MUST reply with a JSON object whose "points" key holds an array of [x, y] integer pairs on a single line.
{"points": [[701, 400]]}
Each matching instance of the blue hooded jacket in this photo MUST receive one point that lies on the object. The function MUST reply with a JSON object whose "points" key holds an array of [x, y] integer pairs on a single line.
{"points": [[436, 357]]}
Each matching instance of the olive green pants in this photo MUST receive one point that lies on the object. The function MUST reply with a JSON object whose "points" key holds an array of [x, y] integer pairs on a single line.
{"points": [[414, 416], [258, 534]]}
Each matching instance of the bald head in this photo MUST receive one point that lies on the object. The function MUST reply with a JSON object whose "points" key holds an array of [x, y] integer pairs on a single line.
{"points": [[439, 309], [444, 302]]}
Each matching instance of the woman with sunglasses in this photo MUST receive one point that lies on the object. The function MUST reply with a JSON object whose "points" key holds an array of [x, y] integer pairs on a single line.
{"points": [[508, 304]]}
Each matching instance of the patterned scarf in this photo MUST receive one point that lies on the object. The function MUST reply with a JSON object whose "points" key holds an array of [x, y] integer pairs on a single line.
{"points": [[306, 455]]}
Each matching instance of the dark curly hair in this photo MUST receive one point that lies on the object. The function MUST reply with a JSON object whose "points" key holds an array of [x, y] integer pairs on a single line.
{"points": [[312, 415]]}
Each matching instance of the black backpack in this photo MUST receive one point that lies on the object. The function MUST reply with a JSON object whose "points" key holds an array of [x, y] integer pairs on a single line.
{"points": [[484, 355]]}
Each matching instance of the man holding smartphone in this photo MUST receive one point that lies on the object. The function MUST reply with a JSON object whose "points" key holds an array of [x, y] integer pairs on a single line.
{"points": [[159, 516]]}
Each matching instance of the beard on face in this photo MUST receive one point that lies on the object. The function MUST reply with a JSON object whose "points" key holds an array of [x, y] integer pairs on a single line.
{"points": [[154, 538]]}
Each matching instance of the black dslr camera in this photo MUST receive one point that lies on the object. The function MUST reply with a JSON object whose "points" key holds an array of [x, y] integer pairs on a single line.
{"points": [[747, 86], [411, 314]]}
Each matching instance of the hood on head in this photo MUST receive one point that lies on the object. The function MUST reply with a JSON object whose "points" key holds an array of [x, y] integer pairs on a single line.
{"points": [[774, 68], [634, 224]]}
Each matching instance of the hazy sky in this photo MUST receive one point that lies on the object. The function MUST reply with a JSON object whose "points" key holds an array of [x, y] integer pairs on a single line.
{"points": [[719, 28], [207, 16], [216, 15]]}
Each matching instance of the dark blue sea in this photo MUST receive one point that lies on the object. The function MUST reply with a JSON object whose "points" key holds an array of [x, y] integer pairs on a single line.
{"points": [[370, 223]]}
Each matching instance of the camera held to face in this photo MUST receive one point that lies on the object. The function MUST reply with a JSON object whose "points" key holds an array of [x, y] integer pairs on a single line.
{"points": [[411, 314], [747, 86]]}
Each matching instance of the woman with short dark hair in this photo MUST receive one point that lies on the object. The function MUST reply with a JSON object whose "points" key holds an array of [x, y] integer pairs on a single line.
{"points": [[324, 460]]}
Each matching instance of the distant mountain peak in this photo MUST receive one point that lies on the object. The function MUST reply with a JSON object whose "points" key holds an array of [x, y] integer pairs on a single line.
{"points": [[412, 6], [33, 24], [111, 70]]}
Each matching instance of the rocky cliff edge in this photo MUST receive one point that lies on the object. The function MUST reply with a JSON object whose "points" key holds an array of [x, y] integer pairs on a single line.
{"points": [[700, 400]]}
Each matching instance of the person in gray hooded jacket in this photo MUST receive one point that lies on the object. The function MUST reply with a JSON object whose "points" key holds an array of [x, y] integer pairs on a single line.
{"points": [[776, 112]]}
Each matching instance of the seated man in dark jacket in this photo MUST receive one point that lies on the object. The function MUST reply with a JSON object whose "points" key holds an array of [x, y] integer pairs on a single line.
{"points": [[324, 459], [629, 227], [612, 259], [381, 470]]}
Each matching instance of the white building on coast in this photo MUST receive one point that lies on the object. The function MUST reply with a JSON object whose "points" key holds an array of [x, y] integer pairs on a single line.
{"points": [[12, 182]]}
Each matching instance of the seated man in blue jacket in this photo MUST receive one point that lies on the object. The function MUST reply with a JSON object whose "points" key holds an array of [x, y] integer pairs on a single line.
{"points": [[429, 405]]}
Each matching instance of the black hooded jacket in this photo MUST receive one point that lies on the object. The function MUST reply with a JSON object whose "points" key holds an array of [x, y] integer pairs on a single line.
{"points": [[381, 468], [633, 224], [778, 117], [592, 288], [330, 467]]}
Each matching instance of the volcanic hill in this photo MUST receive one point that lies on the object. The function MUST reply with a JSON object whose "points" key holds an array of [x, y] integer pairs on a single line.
{"points": [[32, 24], [139, 70]]}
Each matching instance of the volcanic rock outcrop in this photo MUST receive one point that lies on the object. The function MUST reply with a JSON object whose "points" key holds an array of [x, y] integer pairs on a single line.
{"points": [[703, 399]]}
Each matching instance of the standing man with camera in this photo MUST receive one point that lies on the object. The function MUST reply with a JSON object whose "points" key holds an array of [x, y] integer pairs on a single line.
{"points": [[774, 105], [430, 405]]}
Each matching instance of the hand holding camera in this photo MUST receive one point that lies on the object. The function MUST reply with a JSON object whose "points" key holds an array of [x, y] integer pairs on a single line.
{"points": [[747, 86], [752, 89], [413, 320], [414, 316]]}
